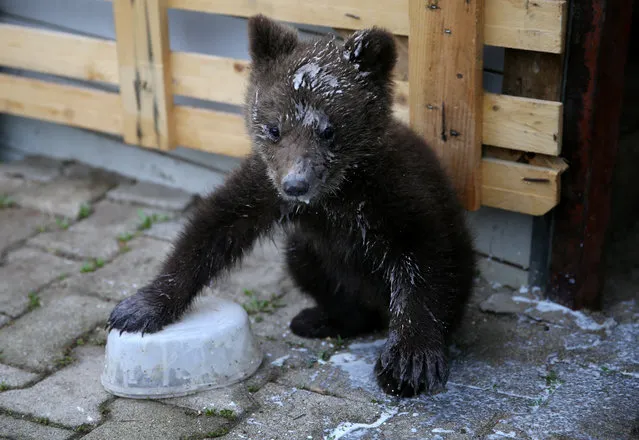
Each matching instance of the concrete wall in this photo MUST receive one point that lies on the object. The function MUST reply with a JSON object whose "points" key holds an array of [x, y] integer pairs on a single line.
{"points": [[503, 237]]}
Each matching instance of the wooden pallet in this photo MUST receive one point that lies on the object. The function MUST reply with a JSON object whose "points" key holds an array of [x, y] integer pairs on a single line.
{"points": [[502, 151]]}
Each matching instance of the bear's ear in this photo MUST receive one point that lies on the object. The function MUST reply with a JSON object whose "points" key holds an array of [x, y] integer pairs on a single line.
{"points": [[269, 40], [373, 51]]}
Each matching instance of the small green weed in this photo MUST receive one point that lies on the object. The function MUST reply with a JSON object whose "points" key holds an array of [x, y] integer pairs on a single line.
{"points": [[146, 221], [63, 276], [41, 228], [255, 305], [4, 386], [63, 223], [339, 342], [253, 388], [325, 355], [82, 428], [552, 380], [92, 266], [6, 202], [34, 301], [123, 238], [228, 414], [85, 211], [64, 361], [80, 341], [42, 420]]}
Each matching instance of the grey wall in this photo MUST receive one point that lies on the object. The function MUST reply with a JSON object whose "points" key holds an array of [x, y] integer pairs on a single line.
{"points": [[502, 237]]}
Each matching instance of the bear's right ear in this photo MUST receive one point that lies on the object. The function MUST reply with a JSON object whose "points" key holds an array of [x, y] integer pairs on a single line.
{"points": [[269, 40]]}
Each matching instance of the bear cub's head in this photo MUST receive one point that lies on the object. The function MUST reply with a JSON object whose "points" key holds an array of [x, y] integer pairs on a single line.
{"points": [[317, 108]]}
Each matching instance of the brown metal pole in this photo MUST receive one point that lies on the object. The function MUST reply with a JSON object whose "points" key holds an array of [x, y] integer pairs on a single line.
{"points": [[597, 48]]}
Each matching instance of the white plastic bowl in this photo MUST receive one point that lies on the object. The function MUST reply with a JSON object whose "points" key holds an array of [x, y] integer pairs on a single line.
{"points": [[212, 346]]}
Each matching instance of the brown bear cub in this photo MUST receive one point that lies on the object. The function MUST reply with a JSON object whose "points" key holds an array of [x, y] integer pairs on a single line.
{"points": [[375, 233]]}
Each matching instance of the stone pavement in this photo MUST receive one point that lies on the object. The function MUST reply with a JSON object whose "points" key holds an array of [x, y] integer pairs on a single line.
{"points": [[74, 240]]}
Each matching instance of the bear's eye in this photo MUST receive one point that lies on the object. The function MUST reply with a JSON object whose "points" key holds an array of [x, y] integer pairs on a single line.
{"points": [[273, 132], [327, 133]]}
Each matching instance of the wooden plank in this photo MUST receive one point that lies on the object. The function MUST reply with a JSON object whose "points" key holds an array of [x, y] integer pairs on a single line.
{"points": [[533, 74], [224, 133], [521, 182], [215, 132], [522, 123], [210, 77], [75, 106], [142, 33], [58, 53], [446, 92], [538, 25]]}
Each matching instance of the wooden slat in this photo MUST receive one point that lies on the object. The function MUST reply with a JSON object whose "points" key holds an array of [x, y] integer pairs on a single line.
{"points": [[520, 182], [522, 123], [532, 25], [445, 73], [142, 32], [75, 106], [517, 123], [536, 25], [210, 77], [224, 133], [58, 53], [215, 132]]}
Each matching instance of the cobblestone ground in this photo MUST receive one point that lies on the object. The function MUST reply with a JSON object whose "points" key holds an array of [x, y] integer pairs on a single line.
{"points": [[74, 240]]}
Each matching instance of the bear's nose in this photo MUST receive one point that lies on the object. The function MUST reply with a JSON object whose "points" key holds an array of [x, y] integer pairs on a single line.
{"points": [[295, 186]]}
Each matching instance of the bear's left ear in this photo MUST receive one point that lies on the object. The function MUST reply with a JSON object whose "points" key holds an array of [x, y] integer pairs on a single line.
{"points": [[269, 40], [373, 51]]}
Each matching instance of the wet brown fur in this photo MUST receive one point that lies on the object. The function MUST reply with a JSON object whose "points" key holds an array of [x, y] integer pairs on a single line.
{"points": [[378, 240]]}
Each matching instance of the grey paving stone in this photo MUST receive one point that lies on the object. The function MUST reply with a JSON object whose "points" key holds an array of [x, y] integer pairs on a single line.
{"points": [[126, 274], [262, 271], [287, 412], [77, 244], [4, 319], [116, 218], [19, 224], [235, 398], [37, 168], [65, 195], [25, 271], [97, 235], [545, 310], [39, 338], [148, 420], [152, 194], [15, 428], [167, 231], [11, 185], [70, 397], [14, 377], [587, 403]]}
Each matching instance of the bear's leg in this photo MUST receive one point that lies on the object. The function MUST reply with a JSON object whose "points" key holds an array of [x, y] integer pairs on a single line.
{"points": [[341, 310]]}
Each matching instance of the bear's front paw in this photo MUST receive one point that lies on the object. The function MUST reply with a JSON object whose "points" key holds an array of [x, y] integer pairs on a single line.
{"points": [[140, 313], [406, 369]]}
